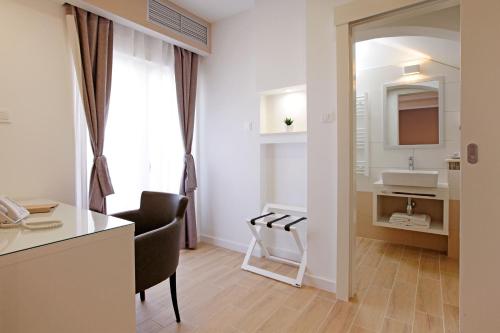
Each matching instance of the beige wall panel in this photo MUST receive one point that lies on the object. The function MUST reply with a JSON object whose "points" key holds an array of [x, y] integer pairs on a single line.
{"points": [[480, 213]]}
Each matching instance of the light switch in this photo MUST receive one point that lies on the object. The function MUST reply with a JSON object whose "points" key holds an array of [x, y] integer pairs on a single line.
{"points": [[4, 116], [248, 126], [328, 117]]}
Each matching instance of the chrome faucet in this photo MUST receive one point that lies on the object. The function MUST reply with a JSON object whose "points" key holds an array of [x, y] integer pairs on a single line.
{"points": [[410, 206], [411, 163]]}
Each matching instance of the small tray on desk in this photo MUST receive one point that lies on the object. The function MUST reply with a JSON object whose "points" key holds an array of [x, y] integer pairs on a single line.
{"points": [[38, 206]]}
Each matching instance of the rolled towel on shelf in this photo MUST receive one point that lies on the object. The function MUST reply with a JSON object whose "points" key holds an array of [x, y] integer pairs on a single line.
{"points": [[419, 217], [421, 220], [399, 219], [400, 216], [418, 220]]}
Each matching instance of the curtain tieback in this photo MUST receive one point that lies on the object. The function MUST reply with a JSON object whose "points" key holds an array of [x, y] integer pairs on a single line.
{"points": [[101, 167], [190, 182]]}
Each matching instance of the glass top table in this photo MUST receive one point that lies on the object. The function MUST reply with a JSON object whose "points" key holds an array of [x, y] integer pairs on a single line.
{"points": [[76, 223]]}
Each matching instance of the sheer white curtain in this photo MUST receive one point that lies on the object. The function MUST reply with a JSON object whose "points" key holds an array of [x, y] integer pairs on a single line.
{"points": [[143, 140]]}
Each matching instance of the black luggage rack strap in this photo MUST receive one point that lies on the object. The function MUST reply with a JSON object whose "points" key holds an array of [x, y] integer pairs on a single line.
{"points": [[270, 223], [252, 221], [287, 226]]}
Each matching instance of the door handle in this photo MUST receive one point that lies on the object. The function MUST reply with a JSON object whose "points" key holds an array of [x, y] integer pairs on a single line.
{"points": [[472, 153]]}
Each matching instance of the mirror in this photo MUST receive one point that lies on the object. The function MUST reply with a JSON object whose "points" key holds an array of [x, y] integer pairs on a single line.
{"points": [[413, 114]]}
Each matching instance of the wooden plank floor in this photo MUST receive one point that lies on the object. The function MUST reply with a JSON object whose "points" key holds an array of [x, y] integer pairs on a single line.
{"points": [[400, 289]]}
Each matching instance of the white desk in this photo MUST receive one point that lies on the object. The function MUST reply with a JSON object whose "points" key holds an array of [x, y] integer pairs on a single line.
{"points": [[76, 278]]}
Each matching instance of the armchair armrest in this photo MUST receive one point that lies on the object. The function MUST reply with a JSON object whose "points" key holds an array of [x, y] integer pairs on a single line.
{"points": [[157, 255], [130, 215]]}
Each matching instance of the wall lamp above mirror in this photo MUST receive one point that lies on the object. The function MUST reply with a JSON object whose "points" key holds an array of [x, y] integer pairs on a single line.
{"points": [[411, 69], [413, 114]]}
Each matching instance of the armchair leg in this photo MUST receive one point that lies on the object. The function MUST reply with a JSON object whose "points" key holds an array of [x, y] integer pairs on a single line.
{"points": [[173, 294], [142, 294]]}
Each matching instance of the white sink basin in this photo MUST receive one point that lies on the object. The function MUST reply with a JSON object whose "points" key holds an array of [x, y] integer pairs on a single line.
{"points": [[418, 178]]}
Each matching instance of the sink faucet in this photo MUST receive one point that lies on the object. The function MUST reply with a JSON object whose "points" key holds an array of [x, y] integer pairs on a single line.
{"points": [[410, 206], [411, 163]]}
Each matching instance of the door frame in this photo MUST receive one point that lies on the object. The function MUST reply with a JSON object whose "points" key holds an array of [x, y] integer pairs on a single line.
{"points": [[346, 16]]}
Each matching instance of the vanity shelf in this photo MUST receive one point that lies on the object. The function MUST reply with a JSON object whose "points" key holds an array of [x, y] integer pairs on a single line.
{"points": [[434, 202], [437, 227]]}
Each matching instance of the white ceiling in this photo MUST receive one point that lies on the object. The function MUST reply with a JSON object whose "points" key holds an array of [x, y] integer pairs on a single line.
{"points": [[397, 50], [214, 10]]}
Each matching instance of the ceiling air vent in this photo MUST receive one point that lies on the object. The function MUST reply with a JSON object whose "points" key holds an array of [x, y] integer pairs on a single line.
{"points": [[167, 17]]}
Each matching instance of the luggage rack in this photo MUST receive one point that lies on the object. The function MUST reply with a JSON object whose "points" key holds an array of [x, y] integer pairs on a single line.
{"points": [[279, 218]]}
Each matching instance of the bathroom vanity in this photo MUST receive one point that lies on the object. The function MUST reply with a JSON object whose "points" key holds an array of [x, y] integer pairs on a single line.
{"points": [[432, 201]]}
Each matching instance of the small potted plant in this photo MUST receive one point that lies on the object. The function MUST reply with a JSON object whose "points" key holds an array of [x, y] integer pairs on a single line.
{"points": [[289, 124]]}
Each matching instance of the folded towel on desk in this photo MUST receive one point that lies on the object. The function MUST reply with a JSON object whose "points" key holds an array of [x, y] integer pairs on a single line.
{"points": [[417, 220]]}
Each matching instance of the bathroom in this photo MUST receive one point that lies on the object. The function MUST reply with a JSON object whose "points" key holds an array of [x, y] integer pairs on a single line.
{"points": [[407, 165], [406, 135], [407, 161]]}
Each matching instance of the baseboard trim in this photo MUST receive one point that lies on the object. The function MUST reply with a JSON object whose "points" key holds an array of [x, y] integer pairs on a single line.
{"points": [[309, 279], [320, 283], [227, 244]]}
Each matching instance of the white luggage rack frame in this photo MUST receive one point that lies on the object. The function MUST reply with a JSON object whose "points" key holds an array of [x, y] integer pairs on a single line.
{"points": [[282, 218]]}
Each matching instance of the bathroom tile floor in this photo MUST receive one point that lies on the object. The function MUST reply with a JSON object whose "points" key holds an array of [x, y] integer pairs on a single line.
{"points": [[400, 289]]}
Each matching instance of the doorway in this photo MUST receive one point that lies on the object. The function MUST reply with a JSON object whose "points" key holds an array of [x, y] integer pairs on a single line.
{"points": [[423, 39]]}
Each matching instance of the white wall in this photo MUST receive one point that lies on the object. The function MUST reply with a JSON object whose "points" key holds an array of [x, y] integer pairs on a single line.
{"points": [[228, 173], [322, 142], [280, 27], [284, 181], [246, 60], [371, 81], [284, 173], [36, 89]]}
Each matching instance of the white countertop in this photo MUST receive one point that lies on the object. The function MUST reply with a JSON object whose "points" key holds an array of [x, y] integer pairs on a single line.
{"points": [[439, 185], [76, 223]]}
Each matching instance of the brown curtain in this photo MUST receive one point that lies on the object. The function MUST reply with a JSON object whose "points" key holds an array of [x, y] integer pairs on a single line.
{"points": [[95, 36], [186, 73]]}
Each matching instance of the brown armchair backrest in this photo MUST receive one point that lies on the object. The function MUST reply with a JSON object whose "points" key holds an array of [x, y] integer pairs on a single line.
{"points": [[157, 243], [159, 209]]}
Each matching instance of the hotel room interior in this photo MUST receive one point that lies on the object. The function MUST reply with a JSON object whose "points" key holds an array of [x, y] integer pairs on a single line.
{"points": [[249, 166]]}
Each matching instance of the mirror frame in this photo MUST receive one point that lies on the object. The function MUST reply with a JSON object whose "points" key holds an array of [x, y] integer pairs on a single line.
{"points": [[409, 83]]}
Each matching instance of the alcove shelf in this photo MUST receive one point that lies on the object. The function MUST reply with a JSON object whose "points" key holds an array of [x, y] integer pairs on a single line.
{"points": [[285, 137], [279, 104]]}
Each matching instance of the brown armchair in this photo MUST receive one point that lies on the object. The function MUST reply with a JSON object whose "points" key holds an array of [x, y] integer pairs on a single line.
{"points": [[157, 236]]}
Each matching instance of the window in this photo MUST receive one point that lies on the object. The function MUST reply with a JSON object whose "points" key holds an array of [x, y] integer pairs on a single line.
{"points": [[143, 143]]}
